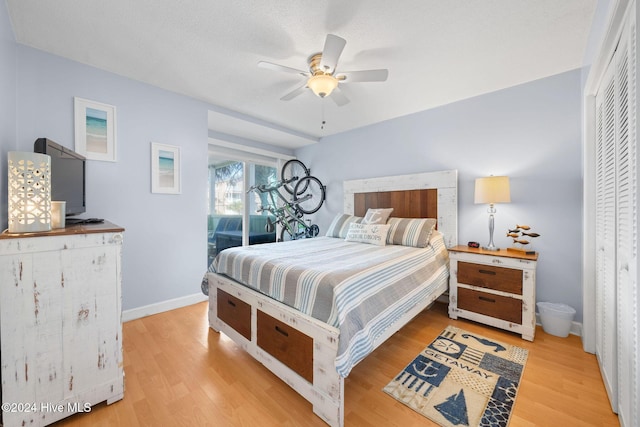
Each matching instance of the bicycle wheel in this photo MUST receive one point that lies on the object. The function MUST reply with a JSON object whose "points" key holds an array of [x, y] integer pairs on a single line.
{"points": [[309, 194], [293, 168], [285, 235]]}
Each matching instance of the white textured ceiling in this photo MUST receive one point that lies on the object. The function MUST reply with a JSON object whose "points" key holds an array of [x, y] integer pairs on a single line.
{"points": [[436, 51]]}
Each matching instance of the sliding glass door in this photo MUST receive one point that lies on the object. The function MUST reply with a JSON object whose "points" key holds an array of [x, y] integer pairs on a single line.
{"points": [[234, 218]]}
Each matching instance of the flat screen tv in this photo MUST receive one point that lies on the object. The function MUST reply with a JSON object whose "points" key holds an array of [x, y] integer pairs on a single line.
{"points": [[67, 175]]}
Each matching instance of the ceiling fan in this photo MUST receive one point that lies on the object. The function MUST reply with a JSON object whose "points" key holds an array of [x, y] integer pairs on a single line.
{"points": [[322, 77]]}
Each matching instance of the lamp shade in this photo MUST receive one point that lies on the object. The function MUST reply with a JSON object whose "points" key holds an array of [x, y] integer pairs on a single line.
{"points": [[322, 84], [493, 189], [29, 192]]}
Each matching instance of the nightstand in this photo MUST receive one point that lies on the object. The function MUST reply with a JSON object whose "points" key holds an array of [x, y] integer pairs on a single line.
{"points": [[497, 288]]}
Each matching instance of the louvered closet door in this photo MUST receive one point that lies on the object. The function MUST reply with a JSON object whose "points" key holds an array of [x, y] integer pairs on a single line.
{"points": [[617, 300], [606, 300], [626, 227]]}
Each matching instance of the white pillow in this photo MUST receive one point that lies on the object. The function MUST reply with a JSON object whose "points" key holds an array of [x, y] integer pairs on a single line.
{"points": [[377, 216], [373, 234]]}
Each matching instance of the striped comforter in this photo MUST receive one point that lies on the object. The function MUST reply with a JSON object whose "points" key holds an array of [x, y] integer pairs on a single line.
{"points": [[361, 289]]}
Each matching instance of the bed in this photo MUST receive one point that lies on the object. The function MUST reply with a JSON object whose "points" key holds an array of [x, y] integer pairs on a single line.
{"points": [[310, 345]]}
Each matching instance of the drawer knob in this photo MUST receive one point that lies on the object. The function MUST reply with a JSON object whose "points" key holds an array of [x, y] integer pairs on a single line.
{"points": [[231, 303], [486, 299]]}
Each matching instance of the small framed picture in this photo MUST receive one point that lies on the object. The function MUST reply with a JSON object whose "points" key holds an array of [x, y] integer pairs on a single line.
{"points": [[165, 169], [95, 129]]}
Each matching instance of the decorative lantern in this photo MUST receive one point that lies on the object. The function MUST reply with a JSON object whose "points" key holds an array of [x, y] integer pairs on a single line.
{"points": [[29, 192]]}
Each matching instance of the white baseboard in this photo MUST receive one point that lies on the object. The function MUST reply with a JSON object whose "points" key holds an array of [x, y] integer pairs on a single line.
{"points": [[160, 307]]}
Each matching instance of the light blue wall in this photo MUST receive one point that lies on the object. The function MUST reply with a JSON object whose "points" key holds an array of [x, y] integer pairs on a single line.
{"points": [[7, 104], [532, 133], [164, 255]]}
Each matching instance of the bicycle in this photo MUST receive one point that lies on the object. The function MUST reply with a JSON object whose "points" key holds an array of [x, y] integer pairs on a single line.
{"points": [[308, 196]]}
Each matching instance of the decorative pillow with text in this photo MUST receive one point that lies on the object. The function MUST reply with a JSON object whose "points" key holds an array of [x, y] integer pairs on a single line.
{"points": [[373, 234]]}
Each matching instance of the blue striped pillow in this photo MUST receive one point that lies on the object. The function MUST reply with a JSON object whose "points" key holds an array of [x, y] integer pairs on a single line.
{"points": [[414, 232]]}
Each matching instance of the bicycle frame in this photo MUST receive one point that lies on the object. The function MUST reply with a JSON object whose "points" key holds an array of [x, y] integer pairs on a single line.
{"points": [[288, 215]]}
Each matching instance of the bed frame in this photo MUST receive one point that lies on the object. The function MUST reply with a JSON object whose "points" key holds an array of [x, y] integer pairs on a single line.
{"points": [[302, 350]]}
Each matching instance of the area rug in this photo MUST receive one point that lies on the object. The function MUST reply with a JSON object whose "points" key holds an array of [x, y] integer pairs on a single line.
{"points": [[462, 379]]}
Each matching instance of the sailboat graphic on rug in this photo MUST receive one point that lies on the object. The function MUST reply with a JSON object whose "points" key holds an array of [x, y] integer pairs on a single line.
{"points": [[454, 409]]}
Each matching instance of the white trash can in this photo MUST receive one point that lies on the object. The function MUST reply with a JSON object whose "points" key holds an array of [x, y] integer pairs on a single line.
{"points": [[556, 318]]}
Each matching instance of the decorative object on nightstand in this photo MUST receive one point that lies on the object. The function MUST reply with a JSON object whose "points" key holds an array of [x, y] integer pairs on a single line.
{"points": [[521, 237], [491, 190], [494, 288], [29, 192]]}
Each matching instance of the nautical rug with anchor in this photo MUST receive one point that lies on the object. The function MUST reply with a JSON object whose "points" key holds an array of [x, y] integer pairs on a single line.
{"points": [[462, 379]]}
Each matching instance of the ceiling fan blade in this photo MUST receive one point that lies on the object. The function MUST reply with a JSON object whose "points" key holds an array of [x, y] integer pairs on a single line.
{"points": [[277, 67], [333, 46], [363, 76], [339, 97], [297, 91]]}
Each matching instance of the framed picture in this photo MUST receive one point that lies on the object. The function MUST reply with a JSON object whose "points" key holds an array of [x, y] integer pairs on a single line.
{"points": [[95, 128], [165, 169]]}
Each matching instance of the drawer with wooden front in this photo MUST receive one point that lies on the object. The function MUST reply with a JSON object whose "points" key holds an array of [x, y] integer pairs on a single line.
{"points": [[288, 345], [490, 277], [497, 306], [235, 313]]}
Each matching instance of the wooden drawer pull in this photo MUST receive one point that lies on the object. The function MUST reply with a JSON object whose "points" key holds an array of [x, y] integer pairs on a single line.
{"points": [[493, 273], [282, 331], [486, 299], [231, 303]]}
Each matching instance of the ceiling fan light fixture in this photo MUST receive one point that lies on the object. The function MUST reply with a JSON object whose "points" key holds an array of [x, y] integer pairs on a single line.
{"points": [[322, 84]]}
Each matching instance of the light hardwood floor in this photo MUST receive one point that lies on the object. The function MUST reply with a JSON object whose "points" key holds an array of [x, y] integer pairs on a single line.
{"points": [[178, 372]]}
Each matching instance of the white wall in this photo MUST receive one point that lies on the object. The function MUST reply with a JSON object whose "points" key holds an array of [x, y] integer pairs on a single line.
{"points": [[531, 133], [7, 104], [164, 255]]}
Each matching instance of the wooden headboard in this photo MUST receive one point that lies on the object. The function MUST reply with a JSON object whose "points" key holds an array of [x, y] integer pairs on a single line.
{"points": [[424, 195], [405, 203]]}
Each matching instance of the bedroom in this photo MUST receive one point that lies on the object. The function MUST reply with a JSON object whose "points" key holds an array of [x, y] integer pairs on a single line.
{"points": [[531, 131]]}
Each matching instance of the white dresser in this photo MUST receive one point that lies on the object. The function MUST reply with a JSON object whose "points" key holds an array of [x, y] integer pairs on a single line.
{"points": [[60, 322]]}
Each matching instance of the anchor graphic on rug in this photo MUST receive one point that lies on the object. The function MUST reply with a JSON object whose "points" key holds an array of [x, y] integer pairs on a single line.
{"points": [[454, 409], [486, 342]]}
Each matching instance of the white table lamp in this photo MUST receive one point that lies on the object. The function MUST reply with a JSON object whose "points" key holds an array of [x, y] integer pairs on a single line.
{"points": [[491, 190], [29, 192]]}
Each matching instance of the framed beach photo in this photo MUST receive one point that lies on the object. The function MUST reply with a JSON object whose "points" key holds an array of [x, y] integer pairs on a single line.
{"points": [[165, 169], [95, 129]]}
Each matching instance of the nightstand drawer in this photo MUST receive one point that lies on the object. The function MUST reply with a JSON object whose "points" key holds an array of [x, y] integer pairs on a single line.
{"points": [[235, 313], [490, 277], [505, 308]]}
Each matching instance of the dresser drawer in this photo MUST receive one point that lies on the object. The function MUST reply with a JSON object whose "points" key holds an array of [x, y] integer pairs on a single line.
{"points": [[505, 308], [291, 347], [235, 313], [490, 277]]}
